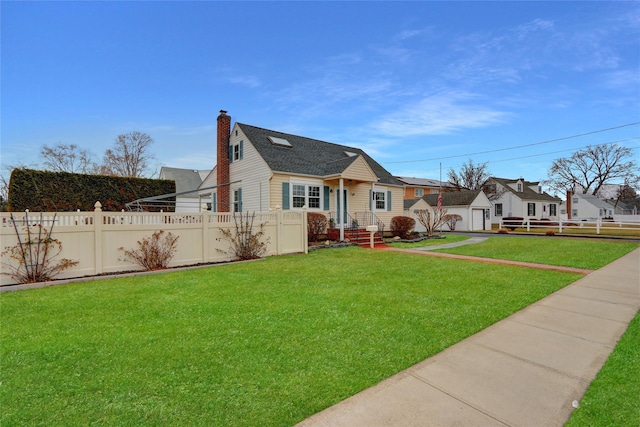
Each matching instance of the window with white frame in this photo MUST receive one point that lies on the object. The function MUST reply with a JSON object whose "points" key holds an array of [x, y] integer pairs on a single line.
{"points": [[379, 200], [498, 209], [531, 209], [419, 192], [305, 194], [553, 209], [237, 200]]}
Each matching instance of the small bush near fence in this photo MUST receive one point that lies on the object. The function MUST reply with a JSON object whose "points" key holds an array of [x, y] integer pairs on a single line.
{"points": [[402, 226], [245, 244], [316, 225], [35, 258], [153, 253]]}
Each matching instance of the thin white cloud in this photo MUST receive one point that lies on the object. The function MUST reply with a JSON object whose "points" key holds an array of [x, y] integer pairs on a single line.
{"points": [[246, 80], [439, 114]]}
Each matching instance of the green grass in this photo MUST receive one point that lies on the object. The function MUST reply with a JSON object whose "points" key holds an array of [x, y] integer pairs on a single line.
{"points": [[450, 238], [612, 398], [568, 252], [264, 343]]}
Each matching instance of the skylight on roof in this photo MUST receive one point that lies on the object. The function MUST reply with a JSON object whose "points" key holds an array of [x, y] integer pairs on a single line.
{"points": [[279, 141], [350, 153]]}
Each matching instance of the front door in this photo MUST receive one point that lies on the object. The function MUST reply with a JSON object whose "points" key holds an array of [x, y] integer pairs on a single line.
{"points": [[341, 206]]}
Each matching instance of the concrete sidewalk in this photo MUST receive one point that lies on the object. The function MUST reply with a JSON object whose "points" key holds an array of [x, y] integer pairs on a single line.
{"points": [[529, 369]]}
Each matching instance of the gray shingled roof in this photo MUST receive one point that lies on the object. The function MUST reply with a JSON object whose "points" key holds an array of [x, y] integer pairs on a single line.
{"points": [[308, 156], [526, 193], [185, 179], [452, 198]]}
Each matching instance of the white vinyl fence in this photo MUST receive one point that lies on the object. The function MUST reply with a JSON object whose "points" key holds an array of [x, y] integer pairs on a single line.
{"points": [[95, 238], [568, 225]]}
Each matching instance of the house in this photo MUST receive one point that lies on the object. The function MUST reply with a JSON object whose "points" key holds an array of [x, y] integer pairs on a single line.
{"points": [[473, 207], [187, 183], [590, 207], [520, 198], [415, 188], [260, 169]]}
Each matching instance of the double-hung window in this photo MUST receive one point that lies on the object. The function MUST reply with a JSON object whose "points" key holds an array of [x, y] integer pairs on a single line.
{"points": [[552, 209], [306, 195], [237, 200], [419, 192], [380, 200], [531, 209], [498, 208]]}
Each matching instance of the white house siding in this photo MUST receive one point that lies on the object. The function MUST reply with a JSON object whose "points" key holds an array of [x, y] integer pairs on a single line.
{"points": [[254, 172]]}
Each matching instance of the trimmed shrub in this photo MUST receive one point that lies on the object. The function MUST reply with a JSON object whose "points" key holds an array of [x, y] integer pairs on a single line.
{"points": [[44, 191], [402, 226], [316, 225]]}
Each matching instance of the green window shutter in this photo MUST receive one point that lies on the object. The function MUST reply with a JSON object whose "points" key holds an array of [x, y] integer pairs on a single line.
{"points": [[239, 199], [326, 197], [371, 202], [214, 208], [285, 195], [231, 154], [241, 149], [388, 200]]}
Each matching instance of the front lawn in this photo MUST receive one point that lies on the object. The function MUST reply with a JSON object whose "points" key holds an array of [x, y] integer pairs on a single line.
{"points": [[569, 252], [261, 343]]}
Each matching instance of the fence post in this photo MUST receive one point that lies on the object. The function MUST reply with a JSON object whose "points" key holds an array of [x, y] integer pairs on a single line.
{"points": [[528, 225], [279, 226], [560, 226], [205, 234], [97, 236], [303, 234], [598, 222]]}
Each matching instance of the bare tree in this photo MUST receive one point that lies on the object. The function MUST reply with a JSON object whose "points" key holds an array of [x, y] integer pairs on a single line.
{"points": [[68, 158], [4, 193], [592, 167], [129, 156], [470, 177], [431, 219]]}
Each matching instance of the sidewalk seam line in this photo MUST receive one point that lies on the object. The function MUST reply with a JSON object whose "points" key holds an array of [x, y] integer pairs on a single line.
{"points": [[455, 397]]}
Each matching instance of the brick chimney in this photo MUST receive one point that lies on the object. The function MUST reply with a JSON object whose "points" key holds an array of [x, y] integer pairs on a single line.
{"points": [[224, 132]]}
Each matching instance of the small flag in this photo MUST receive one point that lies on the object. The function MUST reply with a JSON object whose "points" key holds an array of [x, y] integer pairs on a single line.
{"points": [[439, 201]]}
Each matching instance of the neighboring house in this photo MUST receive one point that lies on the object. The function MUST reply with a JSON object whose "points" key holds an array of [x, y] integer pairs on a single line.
{"points": [[590, 207], [473, 206], [415, 188], [520, 198], [187, 183], [260, 169]]}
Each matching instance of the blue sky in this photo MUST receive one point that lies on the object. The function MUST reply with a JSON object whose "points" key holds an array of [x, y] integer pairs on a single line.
{"points": [[415, 84]]}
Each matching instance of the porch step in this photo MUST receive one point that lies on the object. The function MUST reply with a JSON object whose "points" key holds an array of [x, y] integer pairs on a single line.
{"points": [[360, 237]]}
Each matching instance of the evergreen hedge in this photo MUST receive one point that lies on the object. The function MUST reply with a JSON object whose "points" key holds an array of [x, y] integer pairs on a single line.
{"points": [[44, 191]]}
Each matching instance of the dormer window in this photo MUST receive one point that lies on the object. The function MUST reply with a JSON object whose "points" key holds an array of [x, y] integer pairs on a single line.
{"points": [[519, 187]]}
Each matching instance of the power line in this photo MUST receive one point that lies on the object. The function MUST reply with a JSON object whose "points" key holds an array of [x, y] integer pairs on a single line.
{"points": [[518, 146], [555, 152]]}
